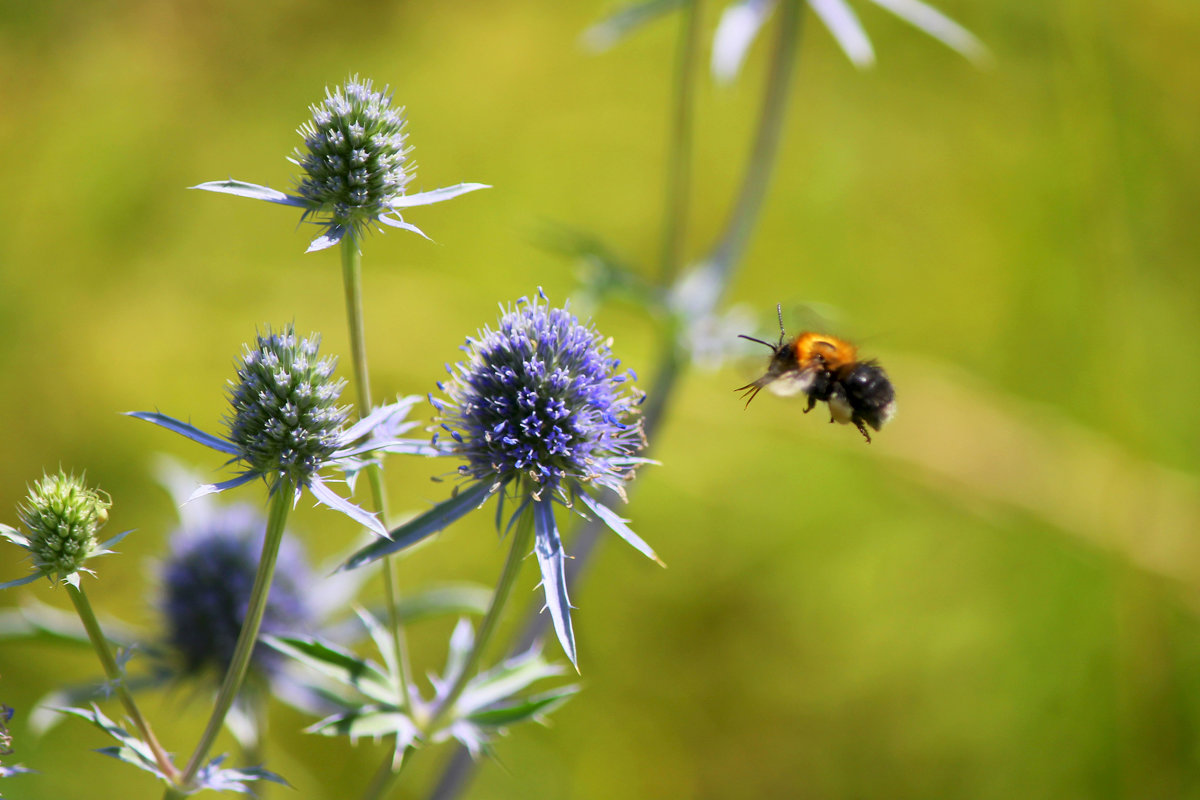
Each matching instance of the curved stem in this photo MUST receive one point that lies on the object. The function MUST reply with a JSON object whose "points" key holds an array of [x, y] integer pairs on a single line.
{"points": [[100, 643], [522, 539], [281, 504], [679, 145], [731, 245]]}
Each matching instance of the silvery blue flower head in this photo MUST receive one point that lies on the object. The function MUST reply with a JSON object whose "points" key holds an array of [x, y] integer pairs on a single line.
{"points": [[286, 424], [206, 585], [355, 167], [62, 515], [541, 399], [540, 411]]}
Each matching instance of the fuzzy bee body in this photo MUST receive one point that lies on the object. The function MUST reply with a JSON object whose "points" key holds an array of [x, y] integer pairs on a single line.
{"points": [[826, 369]]}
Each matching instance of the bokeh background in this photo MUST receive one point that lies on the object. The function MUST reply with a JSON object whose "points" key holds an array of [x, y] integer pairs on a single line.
{"points": [[996, 599]]}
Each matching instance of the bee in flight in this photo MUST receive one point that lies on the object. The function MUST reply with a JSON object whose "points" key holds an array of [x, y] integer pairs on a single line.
{"points": [[827, 369]]}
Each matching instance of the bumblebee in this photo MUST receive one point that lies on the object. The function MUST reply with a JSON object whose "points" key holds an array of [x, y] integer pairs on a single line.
{"points": [[827, 369]]}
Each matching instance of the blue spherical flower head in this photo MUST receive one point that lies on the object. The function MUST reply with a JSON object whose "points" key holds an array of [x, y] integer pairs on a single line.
{"points": [[541, 399], [355, 167], [286, 424], [206, 584], [540, 409]]}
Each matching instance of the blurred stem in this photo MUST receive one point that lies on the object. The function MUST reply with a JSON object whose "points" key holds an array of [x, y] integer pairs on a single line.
{"points": [[726, 254], [522, 539], [731, 246], [352, 281], [282, 498], [387, 774], [679, 145], [84, 607]]}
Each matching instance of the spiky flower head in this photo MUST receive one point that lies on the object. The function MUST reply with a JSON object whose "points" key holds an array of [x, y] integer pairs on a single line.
{"points": [[354, 156], [542, 398], [62, 515], [206, 584], [286, 424], [540, 411], [286, 420], [356, 168]]}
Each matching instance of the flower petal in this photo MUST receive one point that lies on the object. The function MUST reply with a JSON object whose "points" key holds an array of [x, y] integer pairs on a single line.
{"points": [[551, 558], [434, 195], [327, 496], [190, 431], [253, 191], [618, 526], [937, 25], [843, 23], [739, 25]]}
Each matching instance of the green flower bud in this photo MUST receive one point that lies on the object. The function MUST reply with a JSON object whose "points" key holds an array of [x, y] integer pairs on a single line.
{"points": [[62, 515]]}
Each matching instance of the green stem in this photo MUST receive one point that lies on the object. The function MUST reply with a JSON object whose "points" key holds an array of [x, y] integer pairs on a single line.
{"points": [[352, 283], [281, 504], [732, 244], [84, 607], [522, 540], [679, 145]]}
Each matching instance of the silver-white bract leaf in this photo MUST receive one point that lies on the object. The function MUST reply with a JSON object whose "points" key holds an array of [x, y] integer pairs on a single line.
{"points": [[328, 497], [612, 29], [253, 191], [396, 222], [548, 549], [618, 526], [332, 235], [843, 23], [736, 31], [434, 195], [937, 25]]}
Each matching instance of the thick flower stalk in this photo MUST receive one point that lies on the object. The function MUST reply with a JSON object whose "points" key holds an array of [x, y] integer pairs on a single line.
{"points": [[355, 167], [61, 516], [541, 415], [286, 424]]}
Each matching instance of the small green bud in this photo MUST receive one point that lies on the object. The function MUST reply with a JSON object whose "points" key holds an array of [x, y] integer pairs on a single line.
{"points": [[62, 515]]}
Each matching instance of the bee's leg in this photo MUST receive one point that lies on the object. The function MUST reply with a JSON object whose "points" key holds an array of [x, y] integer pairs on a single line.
{"points": [[812, 401], [858, 423]]}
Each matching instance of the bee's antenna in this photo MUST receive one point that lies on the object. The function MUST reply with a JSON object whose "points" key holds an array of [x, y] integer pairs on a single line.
{"points": [[760, 341], [779, 313]]}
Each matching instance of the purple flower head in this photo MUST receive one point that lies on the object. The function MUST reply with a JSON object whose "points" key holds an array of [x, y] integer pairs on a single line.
{"points": [[206, 585], [541, 413], [541, 398]]}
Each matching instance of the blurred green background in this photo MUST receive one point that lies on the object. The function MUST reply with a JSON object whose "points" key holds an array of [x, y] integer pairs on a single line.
{"points": [[996, 599]]}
